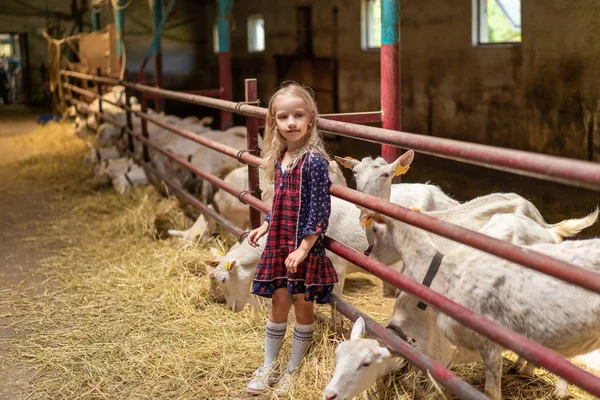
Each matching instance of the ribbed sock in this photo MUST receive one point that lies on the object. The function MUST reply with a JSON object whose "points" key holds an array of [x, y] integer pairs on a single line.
{"points": [[273, 341], [302, 338]]}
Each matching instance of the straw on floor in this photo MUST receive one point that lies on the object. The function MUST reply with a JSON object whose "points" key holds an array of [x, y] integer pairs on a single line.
{"points": [[132, 317]]}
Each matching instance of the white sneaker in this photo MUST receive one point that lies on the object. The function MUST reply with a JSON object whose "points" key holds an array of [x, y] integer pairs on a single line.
{"points": [[285, 385], [263, 378]]}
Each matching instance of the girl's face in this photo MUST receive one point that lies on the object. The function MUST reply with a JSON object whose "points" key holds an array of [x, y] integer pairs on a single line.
{"points": [[293, 118]]}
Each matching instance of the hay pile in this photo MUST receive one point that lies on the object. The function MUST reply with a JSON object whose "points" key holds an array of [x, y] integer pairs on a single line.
{"points": [[132, 316]]}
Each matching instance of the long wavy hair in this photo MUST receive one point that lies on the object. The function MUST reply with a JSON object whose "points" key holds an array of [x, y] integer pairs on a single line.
{"points": [[275, 143]]}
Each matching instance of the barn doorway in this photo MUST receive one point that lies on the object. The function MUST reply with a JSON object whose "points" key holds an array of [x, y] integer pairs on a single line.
{"points": [[14, 69]]}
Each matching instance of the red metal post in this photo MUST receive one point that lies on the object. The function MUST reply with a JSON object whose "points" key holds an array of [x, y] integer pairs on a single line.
{"points": [[99, 86], [144, 106], [225, 82], [390, 73], [157, 9], [130, 146], [251, 95]]}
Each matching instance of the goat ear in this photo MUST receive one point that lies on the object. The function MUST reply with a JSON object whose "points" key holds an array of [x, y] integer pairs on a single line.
{"points": [[402, 164], [378, 219], [358, 330], [383, 353], [211, 264], [347, 162]]}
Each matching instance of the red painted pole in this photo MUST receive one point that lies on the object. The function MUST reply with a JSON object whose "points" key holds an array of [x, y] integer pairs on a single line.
{"points": [[225, 82], [157, 5], [390, 73], [251, 95]]}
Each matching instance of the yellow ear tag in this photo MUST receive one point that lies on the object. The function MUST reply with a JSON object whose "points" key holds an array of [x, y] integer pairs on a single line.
{"points": [[367, 222], [120, 188], [416, 209], [219, 252], [401, 170], [228, 266]]}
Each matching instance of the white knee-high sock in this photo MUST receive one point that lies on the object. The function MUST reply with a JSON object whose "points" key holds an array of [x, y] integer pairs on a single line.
{"points": [[273, 341], [303, 335]]}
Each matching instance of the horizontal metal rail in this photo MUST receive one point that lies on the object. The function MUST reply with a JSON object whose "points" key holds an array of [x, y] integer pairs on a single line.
{"points": [[521, 345], [243, 196], [355, 118], [104, 116], [391, 340], [186, 196], [89, 93], [532, 259], [204, 92], [559, 169], [243, 156]]}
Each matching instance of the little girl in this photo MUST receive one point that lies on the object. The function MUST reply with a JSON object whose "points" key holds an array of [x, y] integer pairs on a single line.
{"points": [[293, 267]]}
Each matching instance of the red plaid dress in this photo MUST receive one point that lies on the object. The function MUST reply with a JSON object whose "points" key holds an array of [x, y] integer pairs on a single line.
{"points": [[301, 206]]}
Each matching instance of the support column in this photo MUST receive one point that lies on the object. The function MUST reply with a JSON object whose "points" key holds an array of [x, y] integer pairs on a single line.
{"points": [[251, 92], [120, 28], [224, 7], [95, 17], [390, 72], [157, 14]]}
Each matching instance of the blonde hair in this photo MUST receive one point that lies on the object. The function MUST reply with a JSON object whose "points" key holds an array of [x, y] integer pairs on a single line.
{"points": [[275, 143]]}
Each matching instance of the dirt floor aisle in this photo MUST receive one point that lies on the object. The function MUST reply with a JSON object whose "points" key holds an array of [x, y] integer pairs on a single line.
{"points": [[20, 204]]}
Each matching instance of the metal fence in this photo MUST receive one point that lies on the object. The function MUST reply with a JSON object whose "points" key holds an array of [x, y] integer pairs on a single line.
{"points": [[572, 172]]}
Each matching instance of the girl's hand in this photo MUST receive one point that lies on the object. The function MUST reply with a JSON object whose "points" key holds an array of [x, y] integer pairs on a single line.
{"points": [[257, 234], [294, 259]]}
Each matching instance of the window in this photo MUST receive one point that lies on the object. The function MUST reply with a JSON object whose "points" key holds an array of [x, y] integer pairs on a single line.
{"points": [[256, 33], [371, 24], [216, 37], [6, 49], [497, 21]]}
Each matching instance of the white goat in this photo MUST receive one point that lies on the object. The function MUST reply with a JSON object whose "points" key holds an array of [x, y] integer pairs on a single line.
{"points": [[236, 269], [374, 177], [360, 362], [134, 176], [95, 155], [479, 281], [235, 211]]}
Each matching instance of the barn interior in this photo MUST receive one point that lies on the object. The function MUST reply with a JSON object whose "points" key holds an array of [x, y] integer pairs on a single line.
{"points": [[97, 300]]}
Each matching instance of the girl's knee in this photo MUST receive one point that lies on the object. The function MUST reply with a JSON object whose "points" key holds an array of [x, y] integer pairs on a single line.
{"points": [[304, 311]]}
